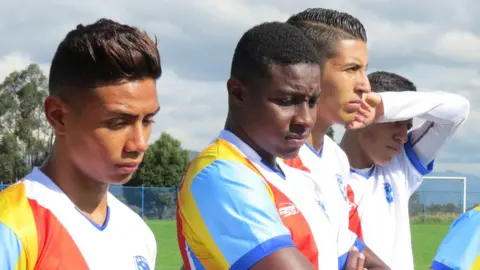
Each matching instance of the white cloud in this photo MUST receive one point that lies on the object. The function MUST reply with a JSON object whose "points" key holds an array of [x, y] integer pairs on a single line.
{"points": [[17, 61], [435, 47], [192, 111], [459, 45]]}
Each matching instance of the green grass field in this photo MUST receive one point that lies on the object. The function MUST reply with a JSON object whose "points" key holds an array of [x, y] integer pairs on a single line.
{"points": [[425, 237]]}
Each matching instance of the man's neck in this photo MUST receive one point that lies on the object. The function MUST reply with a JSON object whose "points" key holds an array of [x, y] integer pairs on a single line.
{"points": [[88, 195], [317, 136], [266, 157], [356, 156]]}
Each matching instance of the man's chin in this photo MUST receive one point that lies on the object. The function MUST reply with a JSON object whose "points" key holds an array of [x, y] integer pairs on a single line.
{"points": [[383, 161], [345, 118], [120, 179], [289, 154]]}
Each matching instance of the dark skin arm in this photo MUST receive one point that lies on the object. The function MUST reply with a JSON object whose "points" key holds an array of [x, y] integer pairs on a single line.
{"points": [[372, 261], [283, 259]]}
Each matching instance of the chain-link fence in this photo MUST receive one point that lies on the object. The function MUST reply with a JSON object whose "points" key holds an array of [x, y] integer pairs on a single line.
{"points": [[428, 204]]}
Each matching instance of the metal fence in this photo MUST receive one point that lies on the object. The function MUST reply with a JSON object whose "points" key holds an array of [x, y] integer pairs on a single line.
{"points": [[148, 202], [426, 205]]}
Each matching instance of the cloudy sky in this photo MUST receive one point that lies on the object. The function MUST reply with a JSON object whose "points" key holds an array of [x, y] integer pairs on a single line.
{"points": [[434, 43]]}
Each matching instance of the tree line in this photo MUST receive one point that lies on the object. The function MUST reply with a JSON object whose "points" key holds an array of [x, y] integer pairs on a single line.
{"points": [[26, 137]]}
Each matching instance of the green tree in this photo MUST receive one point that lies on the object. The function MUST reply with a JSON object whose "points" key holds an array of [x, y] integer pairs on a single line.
{"points": [[162, 170], [331, 133], [163, 164], [25, 136]]}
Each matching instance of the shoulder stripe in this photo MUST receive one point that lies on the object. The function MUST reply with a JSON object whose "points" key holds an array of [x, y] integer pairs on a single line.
{"points": [[10, 248], [16, 213], [220, 149]]}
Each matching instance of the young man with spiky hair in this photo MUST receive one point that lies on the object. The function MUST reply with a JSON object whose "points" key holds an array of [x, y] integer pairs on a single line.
{"points": [[340, 41], [389, 160], [238, 207], [102, 98]]}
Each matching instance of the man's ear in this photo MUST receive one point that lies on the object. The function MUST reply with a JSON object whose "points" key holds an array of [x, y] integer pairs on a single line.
{"points": [[236, 91], [55, 111]]}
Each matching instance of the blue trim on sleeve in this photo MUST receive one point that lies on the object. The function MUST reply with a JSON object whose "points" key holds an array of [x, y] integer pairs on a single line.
{"points": [[439, 266], [262, 250], [10, 248], [412, 156], [359, 244], [342, 261]]}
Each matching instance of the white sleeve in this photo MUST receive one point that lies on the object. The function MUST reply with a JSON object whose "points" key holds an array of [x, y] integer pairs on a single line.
{"points": [[444, 114], [346, 239]]}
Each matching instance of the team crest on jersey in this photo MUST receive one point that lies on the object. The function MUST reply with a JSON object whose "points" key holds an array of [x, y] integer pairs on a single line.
{"points": [[287, 209], [388, 192], [141, 263], [341, 186]]}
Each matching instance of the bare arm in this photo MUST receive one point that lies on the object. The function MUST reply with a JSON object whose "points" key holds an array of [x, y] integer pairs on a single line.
{"points": [[284, 259], [372, 261]]}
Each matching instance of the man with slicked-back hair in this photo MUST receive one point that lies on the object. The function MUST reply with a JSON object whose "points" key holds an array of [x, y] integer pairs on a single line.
{"points": [[102, 99], [340, 41]]}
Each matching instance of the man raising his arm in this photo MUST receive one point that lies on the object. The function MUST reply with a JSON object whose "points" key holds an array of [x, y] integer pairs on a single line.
{"points": [[389, 161]]}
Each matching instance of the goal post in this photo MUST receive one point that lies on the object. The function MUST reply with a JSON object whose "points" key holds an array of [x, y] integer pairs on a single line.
{"points": [[458, 178]]}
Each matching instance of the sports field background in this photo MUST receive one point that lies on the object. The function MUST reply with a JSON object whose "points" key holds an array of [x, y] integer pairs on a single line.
{"points": [[425, 237]]}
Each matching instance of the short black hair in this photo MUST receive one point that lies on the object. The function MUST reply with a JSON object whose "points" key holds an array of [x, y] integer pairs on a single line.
{"points": [[327, 26], [382, 81], [270, 43], [102, 53]]}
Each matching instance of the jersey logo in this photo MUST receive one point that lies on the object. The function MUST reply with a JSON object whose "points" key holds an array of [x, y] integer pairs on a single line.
{"points": [[287, 209], [341, 186], [388, 192], [351, 206], [141, 263], [324, 209]]}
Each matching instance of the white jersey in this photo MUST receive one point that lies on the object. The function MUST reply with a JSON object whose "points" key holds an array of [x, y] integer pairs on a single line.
{"points": [[45, 230], [330, 169], [380, 194]]}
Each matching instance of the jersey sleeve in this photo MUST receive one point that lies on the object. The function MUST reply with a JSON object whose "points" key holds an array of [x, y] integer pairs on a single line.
{"points": [[347, 239], [228, 218], [11, 250], [460, 248], [443, 113]]}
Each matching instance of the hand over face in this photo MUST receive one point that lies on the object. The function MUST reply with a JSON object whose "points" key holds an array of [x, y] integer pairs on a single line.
{"points": [[367, 112]]}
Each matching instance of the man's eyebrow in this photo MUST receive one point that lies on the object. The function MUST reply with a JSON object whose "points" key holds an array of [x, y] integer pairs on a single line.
{"points": [[130, 115], [288, 91], [354, 63]]}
